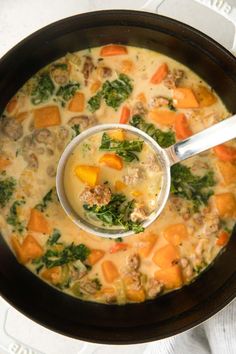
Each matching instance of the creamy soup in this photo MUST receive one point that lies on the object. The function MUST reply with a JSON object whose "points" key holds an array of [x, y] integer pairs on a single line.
{"points": [[114, 84], [119, 188]]}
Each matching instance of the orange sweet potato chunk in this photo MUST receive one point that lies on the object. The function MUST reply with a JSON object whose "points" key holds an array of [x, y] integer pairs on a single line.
{"points": [[171, 277], [38, 222], [77, 103], [176, 233], [165, 256], [4, 162], [226, 205], [28, 250], [185, 98], [53, 275], [228, 171], [95, 256], [46, 117], [147, 242], [135, 295], [110, 271]]}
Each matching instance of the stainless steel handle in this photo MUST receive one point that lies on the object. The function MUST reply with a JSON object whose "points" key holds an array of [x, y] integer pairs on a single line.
{"points": [[208, 138]]}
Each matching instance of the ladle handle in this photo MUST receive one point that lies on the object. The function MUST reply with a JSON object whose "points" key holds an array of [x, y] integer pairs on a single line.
{"points": [[208, 138]]}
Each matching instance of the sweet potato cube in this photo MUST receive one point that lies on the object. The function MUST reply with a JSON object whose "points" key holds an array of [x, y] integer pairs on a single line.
{"points": [[163, 117], [88, 174], [46, 117], [204, 96], [226, 205], [95, 256], [147, 242], [171, 277], [228, 171], [77, 102], [135, 295], [165, 256], [4, 162], [185, 98], [53, 275], [110, 271], [117, 134], [119, 185], [112, 161], [38, 222], [175, 234], [28, 250]]}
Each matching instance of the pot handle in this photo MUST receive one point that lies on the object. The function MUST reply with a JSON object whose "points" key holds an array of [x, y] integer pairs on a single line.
{"points": [[217, 134], [199, 14]]}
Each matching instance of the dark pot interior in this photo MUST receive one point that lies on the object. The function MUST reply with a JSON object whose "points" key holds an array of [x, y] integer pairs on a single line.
{"points": [[172, 313]]}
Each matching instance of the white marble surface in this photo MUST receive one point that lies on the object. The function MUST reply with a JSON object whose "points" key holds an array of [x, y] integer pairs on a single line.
{"points": [[18, 334]]}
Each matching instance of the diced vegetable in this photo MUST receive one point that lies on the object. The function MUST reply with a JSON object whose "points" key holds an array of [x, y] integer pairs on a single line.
{"points": [[118, 246], [11, 106], [119, 185], [223, 238], [113, 49], [171, 277], [20, 117], [88, 174], [204, 96], [159, 74], [176, 233], [53, 275], [127, 66], [163, 117], [38, 222], [117, 134], [66, 92], [112, 161], [135, 295], [4, 162], [28, 250], [142, 97], [225, 153], [46, 117], [7, 188], [95, 256], [226, 205], [110, 271], [43, 89], [95, 86], [228, 171], [146, 244], [181, 126], [13, 217], [165, 256], [77, 103], [125, 115], [184, 98], [49, 196]]}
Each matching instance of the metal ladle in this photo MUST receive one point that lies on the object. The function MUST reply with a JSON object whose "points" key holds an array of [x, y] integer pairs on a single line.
{"points": [[209, 138]]}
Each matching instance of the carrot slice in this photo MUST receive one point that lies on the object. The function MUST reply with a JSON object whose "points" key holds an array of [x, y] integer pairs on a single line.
{"points": [[182, 129], [225, 153], [125, 114], [185, 98], [119, 246], [222, 239], [113, 49], [163, 117], [159, 74], [77, 102], [112, 161]]}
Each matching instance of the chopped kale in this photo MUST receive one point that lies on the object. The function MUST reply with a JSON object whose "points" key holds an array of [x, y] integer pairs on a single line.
{"points": [[46, 200], [62, 66], [126, 149], [164, 139], [94, 102], [113, 92], [54, 237], [76, 130], [115, 213], [191, 187], [71, 253], [7, 188], [171, 106], [66, 92], [13, 218], [43, 89]]}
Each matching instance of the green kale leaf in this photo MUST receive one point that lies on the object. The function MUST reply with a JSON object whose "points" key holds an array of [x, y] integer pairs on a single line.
{"points": [[43, 89], [66, 92], [7, 188], [46, 200], [13, 218], [164, 139], [54, 237]]}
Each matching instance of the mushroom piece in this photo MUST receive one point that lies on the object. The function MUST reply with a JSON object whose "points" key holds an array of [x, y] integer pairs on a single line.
{"points": [[60, 74], [51, 171], [12, 128], [87, 68], [173, 78], [43, 136], [88, 287], [105, 71], [32, 161], [83, 121]]}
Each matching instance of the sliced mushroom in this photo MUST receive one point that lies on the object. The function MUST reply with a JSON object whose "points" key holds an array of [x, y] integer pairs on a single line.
{"points": [[63, 133], [83, 121], [28, 143], [12, 128], [87, 69], [60, 75], [105, 72], [43, 136], [51, 171], [32, 161]]}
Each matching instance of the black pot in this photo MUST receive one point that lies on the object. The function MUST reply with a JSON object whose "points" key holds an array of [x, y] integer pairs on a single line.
{"points": [[174, 312]]}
